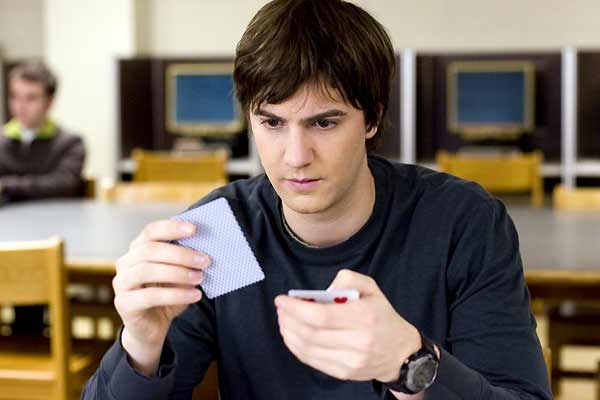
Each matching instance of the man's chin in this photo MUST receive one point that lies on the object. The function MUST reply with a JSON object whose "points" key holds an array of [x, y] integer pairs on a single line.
{"points": [[305, 207]]}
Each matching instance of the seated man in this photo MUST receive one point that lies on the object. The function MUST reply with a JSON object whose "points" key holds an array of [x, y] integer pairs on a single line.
{"points": [[443, 311], [38, 159]]}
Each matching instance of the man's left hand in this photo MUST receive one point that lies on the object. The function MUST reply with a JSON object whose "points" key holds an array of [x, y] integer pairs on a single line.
{"points": [[361, 340]]}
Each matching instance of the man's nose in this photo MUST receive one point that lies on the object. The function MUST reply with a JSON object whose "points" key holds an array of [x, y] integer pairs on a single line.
{"points": [[299, 149]]}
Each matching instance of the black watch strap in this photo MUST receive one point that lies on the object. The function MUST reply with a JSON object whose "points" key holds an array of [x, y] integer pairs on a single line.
{"points": [[418, 371]]}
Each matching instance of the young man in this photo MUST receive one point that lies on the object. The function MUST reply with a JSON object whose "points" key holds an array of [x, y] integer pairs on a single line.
{"points": [[38, 159], [443, 310]]}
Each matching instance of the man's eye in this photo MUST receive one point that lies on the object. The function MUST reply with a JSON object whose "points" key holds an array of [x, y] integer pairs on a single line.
{"points": [[271, 123], [325, 123]]}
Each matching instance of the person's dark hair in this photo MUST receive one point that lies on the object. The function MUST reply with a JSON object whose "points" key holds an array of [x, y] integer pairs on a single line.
{"points": [[36, 72], [330, 43]]}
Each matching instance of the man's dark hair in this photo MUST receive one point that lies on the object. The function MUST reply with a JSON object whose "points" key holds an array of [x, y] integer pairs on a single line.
{"points": [[328, 43], [36, 72]]}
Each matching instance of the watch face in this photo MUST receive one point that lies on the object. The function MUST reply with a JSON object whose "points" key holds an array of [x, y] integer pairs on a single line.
{"points": [[422, 374]]}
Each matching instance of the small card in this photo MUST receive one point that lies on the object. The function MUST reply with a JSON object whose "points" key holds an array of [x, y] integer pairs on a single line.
{"points": [[326, 296], [218, 234]]}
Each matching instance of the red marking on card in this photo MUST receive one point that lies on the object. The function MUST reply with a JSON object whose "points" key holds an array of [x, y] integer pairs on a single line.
{"points": [[340, 299], [311, 300]]}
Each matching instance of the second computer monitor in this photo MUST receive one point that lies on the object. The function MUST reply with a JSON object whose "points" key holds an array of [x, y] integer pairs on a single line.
{"points": [[490, 99]]}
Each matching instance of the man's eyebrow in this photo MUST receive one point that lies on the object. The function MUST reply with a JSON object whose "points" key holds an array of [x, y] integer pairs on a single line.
{"points": [[312, 118], [325, 114], [267, 114]]}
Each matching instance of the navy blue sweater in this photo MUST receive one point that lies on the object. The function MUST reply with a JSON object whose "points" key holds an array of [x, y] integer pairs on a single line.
{"points": [[445, 254]]}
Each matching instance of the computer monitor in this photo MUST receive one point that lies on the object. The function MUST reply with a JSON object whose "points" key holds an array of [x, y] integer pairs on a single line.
{"points": [[490, 99], [200, 100], [3, 94]]}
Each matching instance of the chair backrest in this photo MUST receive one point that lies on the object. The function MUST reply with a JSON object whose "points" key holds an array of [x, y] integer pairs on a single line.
{"points": [[208, 389], [548, 361], [503, 173], [154, 166], [161, 192], [89, 187], [576, 199], [34, 273]]}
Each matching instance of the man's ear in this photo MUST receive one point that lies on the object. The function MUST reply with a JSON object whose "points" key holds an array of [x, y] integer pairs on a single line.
{"points": [[49, 103], [372, 129]]}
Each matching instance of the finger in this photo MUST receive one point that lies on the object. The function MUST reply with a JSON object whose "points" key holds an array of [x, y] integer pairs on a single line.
{"points": [[147, 272], [164, 230], [341, 364], [347, 279], [325, 316], [142, 299], [166, 253], [341, 339]]}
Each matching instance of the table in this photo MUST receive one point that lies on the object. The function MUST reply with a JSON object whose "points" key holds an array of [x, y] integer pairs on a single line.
{"points": [[560, 249], [96, 233]]}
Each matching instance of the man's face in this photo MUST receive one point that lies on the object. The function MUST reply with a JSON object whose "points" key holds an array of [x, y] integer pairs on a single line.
{"points": [[312, 148], [28, 102]]}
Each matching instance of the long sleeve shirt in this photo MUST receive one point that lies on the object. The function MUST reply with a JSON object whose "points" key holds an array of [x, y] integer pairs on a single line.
{"points": [[444, 253]]}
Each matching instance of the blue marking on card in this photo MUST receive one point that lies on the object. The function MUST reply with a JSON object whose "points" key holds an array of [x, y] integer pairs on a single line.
{"points": [[233, 264]]}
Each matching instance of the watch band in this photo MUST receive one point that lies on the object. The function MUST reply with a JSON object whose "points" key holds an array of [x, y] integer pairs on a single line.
{"points": [[426, 357]]}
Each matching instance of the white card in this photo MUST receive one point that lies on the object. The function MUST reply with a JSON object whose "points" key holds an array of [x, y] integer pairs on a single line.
{"points": [[233, 264], [326, 296]]}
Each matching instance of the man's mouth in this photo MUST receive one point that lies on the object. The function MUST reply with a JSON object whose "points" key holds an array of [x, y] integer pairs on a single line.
{"points": [[303, 184]]}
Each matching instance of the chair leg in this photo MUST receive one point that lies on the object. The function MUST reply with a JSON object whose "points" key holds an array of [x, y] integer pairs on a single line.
{"points": [[537, 193], [548, 360], [598, 382], [554, 345]]}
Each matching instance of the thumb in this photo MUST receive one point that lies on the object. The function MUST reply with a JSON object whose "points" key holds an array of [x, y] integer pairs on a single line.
{"points": [[347, 279]]}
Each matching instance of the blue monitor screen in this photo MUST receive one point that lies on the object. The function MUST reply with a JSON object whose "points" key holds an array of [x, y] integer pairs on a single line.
{"points": [[204, 98], [490, 98]]}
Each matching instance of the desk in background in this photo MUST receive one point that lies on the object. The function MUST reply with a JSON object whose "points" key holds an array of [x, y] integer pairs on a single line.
{"points": [[560, 250]]}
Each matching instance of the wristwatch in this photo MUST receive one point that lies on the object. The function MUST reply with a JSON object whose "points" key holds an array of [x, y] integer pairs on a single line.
{"points": [[419, 370]]}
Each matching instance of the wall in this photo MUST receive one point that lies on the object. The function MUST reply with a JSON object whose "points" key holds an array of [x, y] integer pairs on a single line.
{"points": [[214, 27], [21, 28], [83, 40]]}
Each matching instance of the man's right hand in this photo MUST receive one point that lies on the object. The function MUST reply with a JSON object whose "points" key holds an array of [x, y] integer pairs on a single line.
{"points": [[154, 283]]}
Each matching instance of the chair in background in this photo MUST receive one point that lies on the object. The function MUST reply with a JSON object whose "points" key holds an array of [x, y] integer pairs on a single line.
{"points": [[169, 192], [152, 166], [89, 187], [209, 388], [548, 361], [576, 198], [598, 382], [33, 368], [498, 173], [573, 323]]}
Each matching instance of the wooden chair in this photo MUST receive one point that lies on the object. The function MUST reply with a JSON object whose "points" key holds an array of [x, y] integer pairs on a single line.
{"points": [[154, 166], [34, 273], [572, 324], [598, 382], [89, 187], [498, 173], [168, 192], [548, 361], [209, 388], [576, 199]]}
